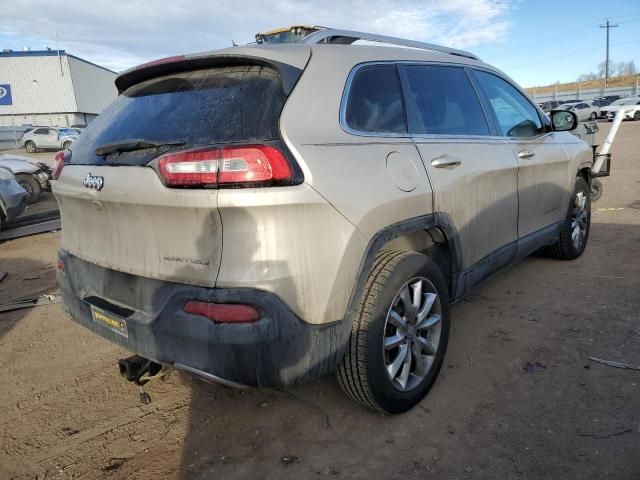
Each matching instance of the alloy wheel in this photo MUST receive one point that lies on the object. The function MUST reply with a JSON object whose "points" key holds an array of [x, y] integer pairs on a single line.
{"points": [[579, 220], [412, 334]]}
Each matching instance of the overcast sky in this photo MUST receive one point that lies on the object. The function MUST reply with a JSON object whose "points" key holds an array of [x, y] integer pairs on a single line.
{"points": [[522, 37]]}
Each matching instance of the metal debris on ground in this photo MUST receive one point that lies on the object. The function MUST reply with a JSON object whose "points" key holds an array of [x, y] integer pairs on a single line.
{"points": [[612, 363], [614, 434], [31, 302], [2, 275]]}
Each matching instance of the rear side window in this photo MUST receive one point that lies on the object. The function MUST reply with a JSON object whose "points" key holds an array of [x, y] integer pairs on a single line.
{"points": [[516, 116], [375, 102], [201, 107], [445, 101]]}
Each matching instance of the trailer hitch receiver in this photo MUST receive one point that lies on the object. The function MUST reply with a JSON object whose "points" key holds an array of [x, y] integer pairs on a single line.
{"points": [[140, 370]]}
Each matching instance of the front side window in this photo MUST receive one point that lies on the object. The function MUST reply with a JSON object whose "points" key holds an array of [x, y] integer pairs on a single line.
{"points": [[515, 115], [375, 101], [445, 101]]}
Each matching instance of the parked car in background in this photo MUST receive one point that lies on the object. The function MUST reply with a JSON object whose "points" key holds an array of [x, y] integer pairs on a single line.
{"points": [[583, 110], [629, 105], [32, 175], [215, 189], [51, 138], [13, 198], [549, 105], [603, 102], [610, 98], [600, 102]]}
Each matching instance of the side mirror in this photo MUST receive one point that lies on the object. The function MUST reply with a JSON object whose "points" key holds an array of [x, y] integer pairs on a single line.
{"points": [[563, 120]]}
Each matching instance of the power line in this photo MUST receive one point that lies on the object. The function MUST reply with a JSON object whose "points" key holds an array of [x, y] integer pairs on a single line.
{"points": [[608, 26], [567, 55]]}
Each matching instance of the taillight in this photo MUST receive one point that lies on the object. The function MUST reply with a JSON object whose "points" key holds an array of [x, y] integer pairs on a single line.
{"points": [[58, 163], [223, 312], [237, 165]]}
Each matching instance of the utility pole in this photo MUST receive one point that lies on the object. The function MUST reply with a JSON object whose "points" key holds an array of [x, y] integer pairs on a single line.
{"points": [[606, 62]]}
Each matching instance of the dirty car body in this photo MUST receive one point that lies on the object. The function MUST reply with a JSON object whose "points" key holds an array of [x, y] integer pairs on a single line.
{"points": [[228, 213]]}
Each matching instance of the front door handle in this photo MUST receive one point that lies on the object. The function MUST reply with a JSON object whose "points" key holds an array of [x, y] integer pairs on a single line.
{"points": [[524, 154], [446, 161]]}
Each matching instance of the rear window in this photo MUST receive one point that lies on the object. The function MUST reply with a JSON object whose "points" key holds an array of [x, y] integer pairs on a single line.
{"points": [[375, 102], [201, 107]]}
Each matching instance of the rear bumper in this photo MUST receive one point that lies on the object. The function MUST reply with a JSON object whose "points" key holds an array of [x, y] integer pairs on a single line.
{"points": [[278, 350]]}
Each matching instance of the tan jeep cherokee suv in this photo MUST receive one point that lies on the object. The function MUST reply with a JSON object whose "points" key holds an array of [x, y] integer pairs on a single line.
{"points": [[266, 214]]}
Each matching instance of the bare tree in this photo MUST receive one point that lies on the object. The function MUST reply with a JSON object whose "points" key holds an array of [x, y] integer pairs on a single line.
{"points": [[615, 69]]}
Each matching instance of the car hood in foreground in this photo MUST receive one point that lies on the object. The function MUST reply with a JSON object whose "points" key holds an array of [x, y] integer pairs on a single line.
{"points": [[18, 164]]}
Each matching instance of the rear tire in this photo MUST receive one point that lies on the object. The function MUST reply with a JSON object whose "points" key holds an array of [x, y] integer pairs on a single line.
{"points": [[636, 115], [395, 353], [31, 147], [31, 185], [574, 232]]}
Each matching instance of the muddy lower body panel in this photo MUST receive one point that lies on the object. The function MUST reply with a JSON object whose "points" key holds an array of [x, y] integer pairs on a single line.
{"points": [[147, 317]]}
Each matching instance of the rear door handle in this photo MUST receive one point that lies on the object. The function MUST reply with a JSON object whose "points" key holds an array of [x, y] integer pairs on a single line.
{"points": [[446, 161], [524, 154]]}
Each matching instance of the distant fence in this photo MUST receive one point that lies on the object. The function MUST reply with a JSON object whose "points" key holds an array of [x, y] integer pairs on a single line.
{"points": [[584, 93], [9, 136]]}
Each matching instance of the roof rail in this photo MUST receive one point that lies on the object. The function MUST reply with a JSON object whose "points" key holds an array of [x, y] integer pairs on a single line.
{"points": [[347, 37]]}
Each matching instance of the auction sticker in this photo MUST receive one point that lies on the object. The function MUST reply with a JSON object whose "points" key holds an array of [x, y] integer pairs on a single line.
{"points": [[110, 321]]}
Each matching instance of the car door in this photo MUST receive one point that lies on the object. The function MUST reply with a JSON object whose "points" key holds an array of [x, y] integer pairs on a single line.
{"points": [[544, 179], [40, 137], [52, 138], [473, 175]]}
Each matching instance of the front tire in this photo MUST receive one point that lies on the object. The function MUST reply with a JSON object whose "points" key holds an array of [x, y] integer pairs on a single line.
{"points": [[399, 333], [66, 145], [31, 147], [593, 116], [574, 232], [31, 185]]}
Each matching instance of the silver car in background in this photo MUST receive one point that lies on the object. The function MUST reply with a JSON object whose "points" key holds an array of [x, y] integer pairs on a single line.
{"points": [[583, 110], [53, 138]]}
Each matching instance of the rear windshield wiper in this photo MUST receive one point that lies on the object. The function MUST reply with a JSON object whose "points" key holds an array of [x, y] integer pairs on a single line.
{"points": [[134, 144]]}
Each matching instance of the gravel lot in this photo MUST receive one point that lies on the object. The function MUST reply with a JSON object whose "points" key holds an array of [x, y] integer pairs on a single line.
{"points": [[518, 397]]}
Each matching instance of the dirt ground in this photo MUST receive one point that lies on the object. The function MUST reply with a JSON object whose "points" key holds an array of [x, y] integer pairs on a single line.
{"points": [[518, 397]]}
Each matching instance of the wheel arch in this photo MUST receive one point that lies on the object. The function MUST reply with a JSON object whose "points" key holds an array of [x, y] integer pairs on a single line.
{"points": [[433, 235], [585, 172]]}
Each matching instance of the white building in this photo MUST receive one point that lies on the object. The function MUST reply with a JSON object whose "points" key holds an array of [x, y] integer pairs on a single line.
{"points": [[51, 87]]}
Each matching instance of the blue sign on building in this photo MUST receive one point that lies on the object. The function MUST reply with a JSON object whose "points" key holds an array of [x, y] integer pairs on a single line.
{"points": [[5, 94]]}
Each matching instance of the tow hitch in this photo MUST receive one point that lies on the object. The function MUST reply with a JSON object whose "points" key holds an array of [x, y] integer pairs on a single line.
{"points": [[140, 370]]}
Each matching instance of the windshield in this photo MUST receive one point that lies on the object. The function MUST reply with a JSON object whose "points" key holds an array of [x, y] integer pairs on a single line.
{"points": [[626, 101], [200, 107]]}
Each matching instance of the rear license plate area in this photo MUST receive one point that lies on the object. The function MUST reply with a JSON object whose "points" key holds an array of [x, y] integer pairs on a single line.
{"points": [[109, 320]]}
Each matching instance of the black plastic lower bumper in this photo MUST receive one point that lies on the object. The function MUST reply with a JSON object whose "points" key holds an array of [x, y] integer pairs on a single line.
{"points": [[278, 350]]}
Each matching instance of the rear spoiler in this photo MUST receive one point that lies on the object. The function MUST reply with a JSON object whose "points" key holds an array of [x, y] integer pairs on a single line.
{"points": [[288, 74]]}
